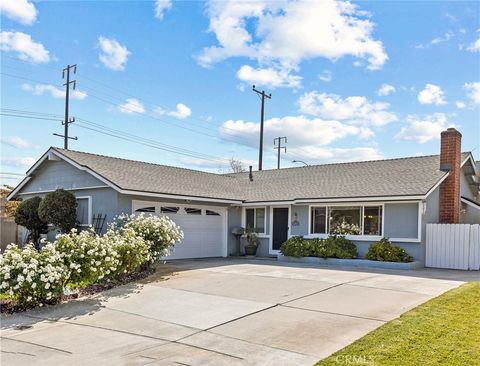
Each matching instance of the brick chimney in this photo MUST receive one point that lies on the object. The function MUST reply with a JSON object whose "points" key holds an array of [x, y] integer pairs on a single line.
{"points": [[450, 161]]}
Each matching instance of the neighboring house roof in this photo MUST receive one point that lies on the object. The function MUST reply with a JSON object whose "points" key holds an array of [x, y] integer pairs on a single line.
{"points": [[404, 177], [470, 202]]}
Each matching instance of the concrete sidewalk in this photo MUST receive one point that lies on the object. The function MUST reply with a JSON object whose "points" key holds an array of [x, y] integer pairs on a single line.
{"points": [[217, 312]]}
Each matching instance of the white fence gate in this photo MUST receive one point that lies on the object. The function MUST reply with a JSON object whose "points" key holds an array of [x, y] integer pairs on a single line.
{"points": [[454, 246]]}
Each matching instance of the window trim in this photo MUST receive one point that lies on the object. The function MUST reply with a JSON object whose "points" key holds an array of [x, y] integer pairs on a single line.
{"points": [[348, 204], [89, 205], [244, 219]]}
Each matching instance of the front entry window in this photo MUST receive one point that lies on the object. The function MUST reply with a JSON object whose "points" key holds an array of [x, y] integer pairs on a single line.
{"points": [[255, 218]]}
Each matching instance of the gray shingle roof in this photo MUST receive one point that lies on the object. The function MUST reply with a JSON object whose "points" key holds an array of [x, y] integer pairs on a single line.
{"points": [[393, 177]]}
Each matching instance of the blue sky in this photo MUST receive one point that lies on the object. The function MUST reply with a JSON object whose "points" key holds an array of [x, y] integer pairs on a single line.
{"points": [[349, 80]]}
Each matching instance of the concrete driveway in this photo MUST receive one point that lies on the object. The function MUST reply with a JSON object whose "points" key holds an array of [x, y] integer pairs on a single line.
{"points": [[221, 312]]}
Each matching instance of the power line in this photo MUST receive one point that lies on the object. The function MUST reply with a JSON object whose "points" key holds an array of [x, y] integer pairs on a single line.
{"points": [[102, 129], [228, 136], [224, 128], [150, 141]]}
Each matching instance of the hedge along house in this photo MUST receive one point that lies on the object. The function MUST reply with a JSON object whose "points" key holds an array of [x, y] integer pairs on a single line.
{"points": [[395, 198]]}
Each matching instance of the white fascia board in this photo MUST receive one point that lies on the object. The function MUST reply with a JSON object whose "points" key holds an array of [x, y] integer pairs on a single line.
{"points": [[66, 189], [436, 185], [361, 199], [178, 197], [268, 203]]}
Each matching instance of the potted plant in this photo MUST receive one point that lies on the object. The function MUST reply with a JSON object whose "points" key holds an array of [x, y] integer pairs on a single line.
{"points": [[252, 241]]}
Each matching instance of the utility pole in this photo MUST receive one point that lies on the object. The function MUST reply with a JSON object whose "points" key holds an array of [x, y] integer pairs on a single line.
{"points": [[263, 96], [279, 147], [67, 120]]}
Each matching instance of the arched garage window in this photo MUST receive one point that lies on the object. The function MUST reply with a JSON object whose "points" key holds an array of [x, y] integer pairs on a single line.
{"points": [[150, 209]]}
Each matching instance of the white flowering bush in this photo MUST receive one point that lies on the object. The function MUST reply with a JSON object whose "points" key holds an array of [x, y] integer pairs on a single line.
{"points": [[88, 257], [159, 232], [32, 277], [131, 250], [344, 228], [78, 259]]}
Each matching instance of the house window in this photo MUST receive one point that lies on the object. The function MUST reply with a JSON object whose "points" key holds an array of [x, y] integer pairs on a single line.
{"points": [[83, 211], [345, 220], [319, 220], [255, 218], [211, 213], [193, 211], [169, 209], [372, 220], [150, 209]]}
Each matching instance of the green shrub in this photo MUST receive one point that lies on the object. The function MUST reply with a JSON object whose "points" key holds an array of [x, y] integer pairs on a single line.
{"points": [[159, 232], [336, 247], [27, 215], [59, 208], [296, 246], [383, 250], [32, 277], [333, 247]]}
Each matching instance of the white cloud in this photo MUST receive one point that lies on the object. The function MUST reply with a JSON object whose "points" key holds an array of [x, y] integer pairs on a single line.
{"points": [[19, 10], [326, 76], [112, 54], [131, 106], [432, 94], [286, 33], [445, 38], [308, 131], [424, 129], [441, 39], [181, 111], [460, 105], [316, 155], [16, 141], [474, 46], [222, 165], [353, 109], [386, 89], [18, 161], [24, 46], [56, 92], [161, 6], [269, 77], [473, 91]]}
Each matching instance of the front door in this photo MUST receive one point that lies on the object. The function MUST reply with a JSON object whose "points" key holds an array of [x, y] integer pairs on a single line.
{"points": [[280, 227]]}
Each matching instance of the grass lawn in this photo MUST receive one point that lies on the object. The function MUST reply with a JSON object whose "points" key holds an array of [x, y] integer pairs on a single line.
{"points": [[443, 331]]}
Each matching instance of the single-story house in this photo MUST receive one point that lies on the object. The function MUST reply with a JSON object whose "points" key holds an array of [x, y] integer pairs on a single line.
{"points": [[392, 198]]}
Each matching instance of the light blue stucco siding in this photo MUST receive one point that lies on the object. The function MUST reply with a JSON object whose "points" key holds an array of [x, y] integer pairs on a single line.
{"points": [[299, 216], [52, 175], [401, 220]]}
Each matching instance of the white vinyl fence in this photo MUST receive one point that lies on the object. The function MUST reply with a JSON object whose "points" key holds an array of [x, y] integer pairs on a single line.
{"points": [[454, 246]]}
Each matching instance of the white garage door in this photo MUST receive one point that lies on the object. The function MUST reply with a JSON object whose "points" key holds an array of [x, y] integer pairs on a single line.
{"points": [[203, 227]]}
